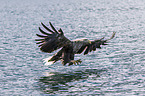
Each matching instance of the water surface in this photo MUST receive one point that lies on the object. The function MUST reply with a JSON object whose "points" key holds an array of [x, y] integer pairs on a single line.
{"points": [[116, 69]]}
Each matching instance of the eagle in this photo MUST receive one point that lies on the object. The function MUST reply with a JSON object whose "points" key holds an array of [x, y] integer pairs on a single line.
{"points": [[52, 39]]}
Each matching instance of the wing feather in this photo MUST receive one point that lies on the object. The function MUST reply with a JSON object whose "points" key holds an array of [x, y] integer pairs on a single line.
{"points": [[87, 50], [41, 36], [81, 49], [47, 28], [92, 45], [53, 27], [39, 39], [39, 42], [53, 41], [97, 44], [43, 32]]}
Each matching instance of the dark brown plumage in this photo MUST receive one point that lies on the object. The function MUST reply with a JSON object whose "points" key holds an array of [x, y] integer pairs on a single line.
{"points": [[53, 40]]}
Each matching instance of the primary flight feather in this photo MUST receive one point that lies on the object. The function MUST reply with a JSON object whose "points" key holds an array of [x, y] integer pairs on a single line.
{"points": [[54, 39]]}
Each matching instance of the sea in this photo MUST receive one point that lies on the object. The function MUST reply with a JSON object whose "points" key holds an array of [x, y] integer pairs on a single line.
{"points": [[117, 69]]}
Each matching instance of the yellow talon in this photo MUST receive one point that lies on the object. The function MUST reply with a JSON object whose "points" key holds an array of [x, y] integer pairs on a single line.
{"points": [[76, 62]]}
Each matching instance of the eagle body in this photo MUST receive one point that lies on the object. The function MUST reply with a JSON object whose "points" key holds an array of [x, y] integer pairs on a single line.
{"points": [[54, 39]]}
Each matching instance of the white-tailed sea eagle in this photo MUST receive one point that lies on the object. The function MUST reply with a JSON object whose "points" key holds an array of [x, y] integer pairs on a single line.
{"points": [[54, 39]]}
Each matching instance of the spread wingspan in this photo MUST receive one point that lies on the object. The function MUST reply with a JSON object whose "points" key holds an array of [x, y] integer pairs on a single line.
{"points": [[52, 39]]}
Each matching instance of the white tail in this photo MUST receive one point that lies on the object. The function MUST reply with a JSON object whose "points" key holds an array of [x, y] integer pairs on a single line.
{"points": [[46, 61]]}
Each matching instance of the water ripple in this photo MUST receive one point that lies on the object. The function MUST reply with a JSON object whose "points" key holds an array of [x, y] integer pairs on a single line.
{"points": [[116, 69]]}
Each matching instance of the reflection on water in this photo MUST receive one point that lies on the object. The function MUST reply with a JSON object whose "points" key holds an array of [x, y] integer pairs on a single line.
{"points": [[56, 81]]}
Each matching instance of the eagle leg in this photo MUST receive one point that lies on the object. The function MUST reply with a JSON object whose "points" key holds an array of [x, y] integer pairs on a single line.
{"points": [[75, 62]]}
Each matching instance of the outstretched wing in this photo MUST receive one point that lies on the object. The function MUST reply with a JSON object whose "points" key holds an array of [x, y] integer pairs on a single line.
{"points": [[92, 45], [52, 39]]}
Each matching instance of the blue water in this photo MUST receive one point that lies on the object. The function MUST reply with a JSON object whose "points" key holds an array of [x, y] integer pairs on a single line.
{"points": [[116, 69]]}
